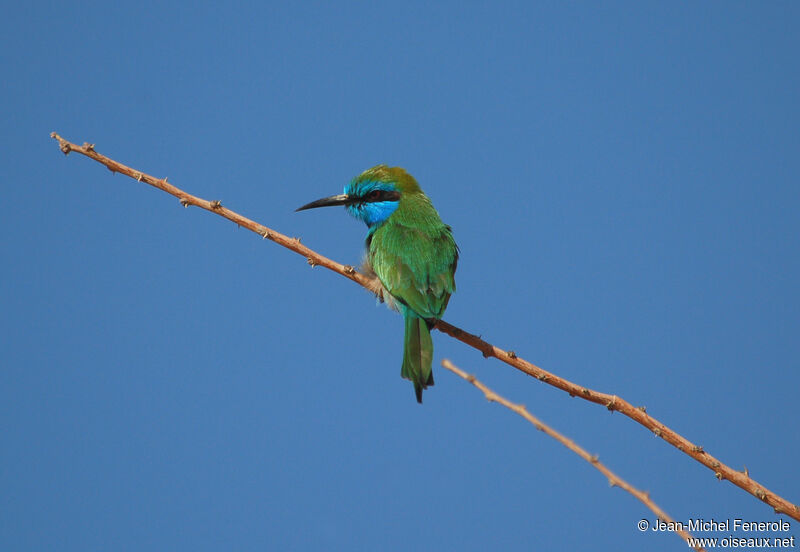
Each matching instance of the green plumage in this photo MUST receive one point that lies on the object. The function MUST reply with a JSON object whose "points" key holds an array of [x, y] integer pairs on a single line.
{"points": [[417, 354], [414, 255]]}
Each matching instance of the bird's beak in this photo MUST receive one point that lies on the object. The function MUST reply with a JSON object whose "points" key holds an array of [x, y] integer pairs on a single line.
{"points": [[341, 199]]}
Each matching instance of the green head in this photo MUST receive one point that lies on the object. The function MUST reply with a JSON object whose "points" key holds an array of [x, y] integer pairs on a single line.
{"points": [[373, 195]]}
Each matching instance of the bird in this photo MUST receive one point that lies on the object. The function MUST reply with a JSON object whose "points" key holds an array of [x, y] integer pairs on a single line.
{"points": [[410, 251]]}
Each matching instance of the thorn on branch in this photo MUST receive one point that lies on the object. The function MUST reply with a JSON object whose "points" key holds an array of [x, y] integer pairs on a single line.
{"points": [[311, 262], [718, 475], [184, 202], [139, 177], [88, 147], [760, 494], [347, 268], [610, 405], [63, 145], [266, 234], [657, 432], [746, 472], [216, 204], [642, 408]]}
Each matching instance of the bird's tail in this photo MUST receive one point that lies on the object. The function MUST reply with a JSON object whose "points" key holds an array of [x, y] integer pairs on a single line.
{"points": [[417, 354]]}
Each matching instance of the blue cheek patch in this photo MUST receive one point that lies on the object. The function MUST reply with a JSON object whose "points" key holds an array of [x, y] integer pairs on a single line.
{"points": [[373, 213]]}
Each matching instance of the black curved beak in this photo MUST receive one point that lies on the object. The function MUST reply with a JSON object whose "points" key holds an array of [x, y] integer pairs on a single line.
{"points": [[341, 199]]}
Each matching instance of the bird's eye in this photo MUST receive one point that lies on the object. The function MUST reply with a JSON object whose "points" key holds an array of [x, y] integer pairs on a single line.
{"points": [[374, 195]]}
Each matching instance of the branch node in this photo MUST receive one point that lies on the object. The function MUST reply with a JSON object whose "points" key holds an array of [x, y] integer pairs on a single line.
{"points": [[512, 354], [718, 475], [594, 458], [139, 177], [542, 377], [63, 145], [642, 408], [266, 234], [311, 262], [347, 268], [761, 494], [88, 147], [184, 202], [657, 432], [216, 204], [698, 449], [587, 393]]}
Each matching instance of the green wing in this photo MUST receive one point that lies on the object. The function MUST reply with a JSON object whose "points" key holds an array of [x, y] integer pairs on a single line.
{"points": [[415, 265]]}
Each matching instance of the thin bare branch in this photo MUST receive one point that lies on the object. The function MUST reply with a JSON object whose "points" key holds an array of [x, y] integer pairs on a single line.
{"points": [[612, 402], [613, 479]]}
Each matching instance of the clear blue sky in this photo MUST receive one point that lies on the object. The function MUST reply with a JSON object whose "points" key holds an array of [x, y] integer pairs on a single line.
{"points": [[622, 181]]}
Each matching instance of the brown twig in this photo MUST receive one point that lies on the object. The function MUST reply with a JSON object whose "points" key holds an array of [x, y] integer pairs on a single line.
{"points": [[613, 479], [612, 402]]}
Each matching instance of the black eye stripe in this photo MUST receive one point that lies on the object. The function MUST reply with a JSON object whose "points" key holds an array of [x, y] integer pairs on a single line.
{"points": [[382, 195]]}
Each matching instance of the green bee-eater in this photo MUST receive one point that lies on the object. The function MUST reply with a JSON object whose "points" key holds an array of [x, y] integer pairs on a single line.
{"points": [[410, 250]]}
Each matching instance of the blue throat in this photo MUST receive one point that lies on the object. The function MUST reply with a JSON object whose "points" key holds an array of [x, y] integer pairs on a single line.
{"points": [[372, 213]]}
